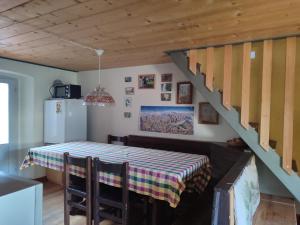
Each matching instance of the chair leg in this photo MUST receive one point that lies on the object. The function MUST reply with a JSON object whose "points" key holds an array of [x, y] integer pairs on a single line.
{"points": [[96, 209], [146, 212], [88, 212], [66, 209], [154, 212], [125, 216]]}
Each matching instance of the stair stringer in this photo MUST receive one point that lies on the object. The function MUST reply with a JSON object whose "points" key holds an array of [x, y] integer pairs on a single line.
{"points": [[270, 158]]}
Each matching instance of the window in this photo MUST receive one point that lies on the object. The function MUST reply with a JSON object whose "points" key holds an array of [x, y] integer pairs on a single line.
{"points": [[4, 119]]}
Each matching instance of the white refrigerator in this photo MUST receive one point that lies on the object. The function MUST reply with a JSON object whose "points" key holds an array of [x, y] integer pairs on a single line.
{"points": [[64, 121]]}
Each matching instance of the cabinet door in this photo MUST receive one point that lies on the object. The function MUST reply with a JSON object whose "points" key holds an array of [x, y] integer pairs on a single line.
{"points": [[19, 208]]}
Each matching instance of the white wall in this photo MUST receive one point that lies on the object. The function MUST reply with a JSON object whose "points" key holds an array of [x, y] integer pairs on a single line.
{"points": [[33, 84], [104, 121]]}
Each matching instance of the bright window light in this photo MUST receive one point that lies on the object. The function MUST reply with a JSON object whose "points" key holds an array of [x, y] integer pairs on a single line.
{"points": [[4, 113]]}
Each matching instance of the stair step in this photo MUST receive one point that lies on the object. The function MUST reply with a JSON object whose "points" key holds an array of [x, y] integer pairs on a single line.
{"points": [[273, 144], [255, 125], [294, 166], [275, 210], [237, 108]]}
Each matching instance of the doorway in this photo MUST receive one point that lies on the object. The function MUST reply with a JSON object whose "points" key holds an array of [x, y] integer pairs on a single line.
{"points": [[6, 98]]}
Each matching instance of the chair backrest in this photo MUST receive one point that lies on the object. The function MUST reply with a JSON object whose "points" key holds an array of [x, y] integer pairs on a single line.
{"points": [[85, 163], [120, 170], [111, 139]]}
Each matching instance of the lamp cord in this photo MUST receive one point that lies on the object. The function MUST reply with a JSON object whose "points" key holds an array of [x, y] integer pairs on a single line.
{"points": [[99, 68]]}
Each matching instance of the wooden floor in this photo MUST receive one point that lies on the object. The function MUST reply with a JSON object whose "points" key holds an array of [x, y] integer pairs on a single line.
{"points": [[53, 213], [271, 211], [275, 211]]}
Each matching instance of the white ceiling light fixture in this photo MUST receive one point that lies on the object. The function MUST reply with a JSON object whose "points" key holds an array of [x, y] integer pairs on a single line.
{"points": [[99, 97]]}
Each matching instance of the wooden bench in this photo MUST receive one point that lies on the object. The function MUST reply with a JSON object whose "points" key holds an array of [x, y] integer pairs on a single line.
{"points": [[274, 210]]}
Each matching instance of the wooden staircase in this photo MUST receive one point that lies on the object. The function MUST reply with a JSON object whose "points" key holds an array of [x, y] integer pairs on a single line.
{"points": [[218, 86]]}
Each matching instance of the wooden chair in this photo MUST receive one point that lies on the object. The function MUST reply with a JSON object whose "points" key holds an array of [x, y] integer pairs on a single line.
{"points": [[111, 139], [115, 204], [71, 191]]}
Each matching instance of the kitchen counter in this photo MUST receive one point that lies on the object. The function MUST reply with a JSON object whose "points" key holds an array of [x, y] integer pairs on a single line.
{"points": [[10, 184], [20, 201]]}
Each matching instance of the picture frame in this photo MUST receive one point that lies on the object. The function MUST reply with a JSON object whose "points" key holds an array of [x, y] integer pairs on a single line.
{"points": [[129, 90], [127, 115], [128, 101], [166, 87], [165, 97], [127, 79], [207, 114], [166, 77], [167, 119], [184, 93], [146, 81]]}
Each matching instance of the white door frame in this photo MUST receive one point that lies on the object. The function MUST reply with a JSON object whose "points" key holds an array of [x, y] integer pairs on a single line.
{"points": [[6, 147]]}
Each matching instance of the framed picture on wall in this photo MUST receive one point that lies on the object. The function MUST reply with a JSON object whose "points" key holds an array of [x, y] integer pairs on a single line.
{"points": [[184, 93], [127, 115], [129, 90], [207, 114], [128, 79], [166, 87], [128, 101], [166, 77], [146, 81], [166, 97]]}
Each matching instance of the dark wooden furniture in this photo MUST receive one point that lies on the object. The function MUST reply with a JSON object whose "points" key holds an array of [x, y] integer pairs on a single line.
{"points": [[78, 191], [115, 205], [221, 205], [111, 139]]}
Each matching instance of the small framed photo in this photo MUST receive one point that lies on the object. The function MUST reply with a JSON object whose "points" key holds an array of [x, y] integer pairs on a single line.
{"points": [[207, 114], [184, 92], [127, 115], [166, 87], [165, 97], [128, 79], [167, 77], [146, 81], [128, 101], [129, 90]]}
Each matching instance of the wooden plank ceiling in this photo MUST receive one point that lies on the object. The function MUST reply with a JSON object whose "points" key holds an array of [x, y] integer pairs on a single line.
{"points": [[134, 32]]}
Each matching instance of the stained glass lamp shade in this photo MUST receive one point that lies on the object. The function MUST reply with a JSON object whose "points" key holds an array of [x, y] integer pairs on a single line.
{"points": [[99, 96]]}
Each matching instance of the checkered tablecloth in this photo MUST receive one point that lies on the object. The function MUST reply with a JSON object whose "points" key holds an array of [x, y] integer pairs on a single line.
{"points": [[155, 173]]}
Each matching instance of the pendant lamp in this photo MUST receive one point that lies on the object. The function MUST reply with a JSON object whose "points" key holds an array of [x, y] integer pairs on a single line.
{"points": [[99, 97]]}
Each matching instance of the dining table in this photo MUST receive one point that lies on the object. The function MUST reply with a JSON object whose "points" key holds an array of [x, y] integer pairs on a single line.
{"points": [[159, 174]]}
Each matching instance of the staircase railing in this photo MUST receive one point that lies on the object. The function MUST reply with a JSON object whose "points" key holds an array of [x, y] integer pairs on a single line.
{"points": [[234, 79]]}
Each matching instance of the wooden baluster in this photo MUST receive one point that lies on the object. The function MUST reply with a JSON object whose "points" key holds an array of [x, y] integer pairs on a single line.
{"points": [[193, 57], [266, 95], [209, 68], [246, 85], [289, 104], [227, 76]]}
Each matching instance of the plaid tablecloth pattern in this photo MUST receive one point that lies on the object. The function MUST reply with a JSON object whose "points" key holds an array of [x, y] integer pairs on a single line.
{"points": [[155, 173]]}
